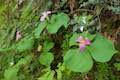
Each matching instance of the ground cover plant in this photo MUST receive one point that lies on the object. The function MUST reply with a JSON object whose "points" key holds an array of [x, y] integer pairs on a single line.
{"points": [[59, 39]]}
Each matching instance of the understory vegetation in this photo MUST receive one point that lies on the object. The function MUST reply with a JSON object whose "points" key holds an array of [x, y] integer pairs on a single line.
{"points": [[59, 39]]}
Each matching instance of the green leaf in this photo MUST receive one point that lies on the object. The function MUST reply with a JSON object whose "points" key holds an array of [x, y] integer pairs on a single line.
{"points": [[59, 71], [12, 47], [88, 35], [25, 44], [57, 21], [47, 76], [26, 11], [39, 29], [73, 39], [46, 58], [47, 45], [11, 73], [59, 74], [117, 65], [78, 61], [102, 49]]}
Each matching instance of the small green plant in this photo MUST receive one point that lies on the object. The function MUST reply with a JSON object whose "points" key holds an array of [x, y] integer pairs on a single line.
{"points": [[82, 49], [53, 45]]}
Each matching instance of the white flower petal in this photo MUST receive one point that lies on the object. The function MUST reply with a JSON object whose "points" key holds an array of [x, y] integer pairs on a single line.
{"points": [[81, 28]]}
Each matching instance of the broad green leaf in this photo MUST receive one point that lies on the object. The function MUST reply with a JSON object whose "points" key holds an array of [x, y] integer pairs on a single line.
{"points": [[47, 45], [25, 44], [11, 73], [66, 19], [47, 76], [57, 21], [39, 29], [73, 39], [78, 61], [102, 49], [46, 58]]}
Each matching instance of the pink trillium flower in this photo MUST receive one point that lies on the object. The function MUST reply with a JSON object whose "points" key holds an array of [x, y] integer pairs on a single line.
{"points": [[83, 42], [18, 35], [44, 15]]}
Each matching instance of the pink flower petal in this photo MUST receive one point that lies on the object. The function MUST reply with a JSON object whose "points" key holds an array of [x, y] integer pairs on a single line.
{"points": [[44, 15], [42, 18], [83, 42], [48, 12], [79, 39], [82, 47], [18, 35], [87, 42]]}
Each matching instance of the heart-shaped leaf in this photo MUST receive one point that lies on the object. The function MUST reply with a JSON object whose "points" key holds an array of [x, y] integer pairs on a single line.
{"points": [[102, 49], [57, 21], [78, 61]]}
